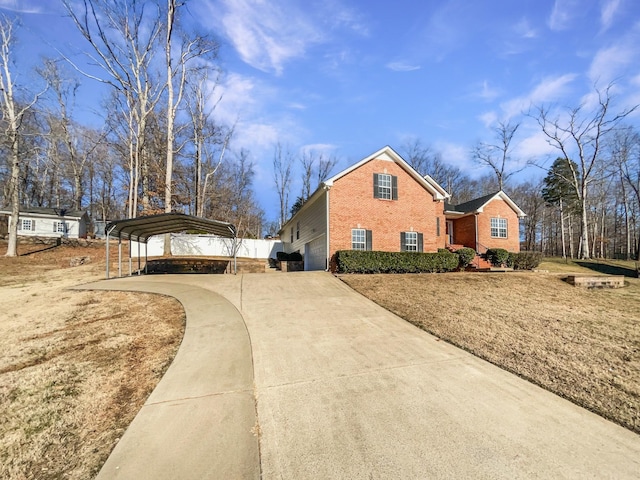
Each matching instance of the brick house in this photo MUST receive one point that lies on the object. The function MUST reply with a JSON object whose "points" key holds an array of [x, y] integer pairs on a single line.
{"points": [[382, 203], [491, 221]]}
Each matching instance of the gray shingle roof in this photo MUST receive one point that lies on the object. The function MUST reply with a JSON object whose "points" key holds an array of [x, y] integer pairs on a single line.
{"points": [[58, 212], [471, 205]]}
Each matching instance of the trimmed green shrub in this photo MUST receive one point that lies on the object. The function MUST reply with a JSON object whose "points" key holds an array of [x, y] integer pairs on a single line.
{"points": [[358, 261], [289, 257], [526, 260], [465, 255], [295, 257], [511, 258], [497, 256]]}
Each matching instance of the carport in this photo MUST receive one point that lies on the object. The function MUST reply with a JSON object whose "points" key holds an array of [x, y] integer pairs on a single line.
{"points": [[140, 229]]}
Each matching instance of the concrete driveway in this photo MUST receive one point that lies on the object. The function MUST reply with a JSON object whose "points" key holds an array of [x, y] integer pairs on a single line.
{"points": [[295, 376]]}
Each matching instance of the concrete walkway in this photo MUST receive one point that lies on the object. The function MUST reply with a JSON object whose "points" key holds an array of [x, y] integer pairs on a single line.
{"points": [[346, 390]]}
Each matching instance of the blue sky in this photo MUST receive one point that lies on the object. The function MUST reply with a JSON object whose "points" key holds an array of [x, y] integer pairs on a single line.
{"points": [[349, 77]]}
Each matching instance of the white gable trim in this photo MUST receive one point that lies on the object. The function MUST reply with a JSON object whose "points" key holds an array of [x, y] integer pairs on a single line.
{"points": [[389, 154]]}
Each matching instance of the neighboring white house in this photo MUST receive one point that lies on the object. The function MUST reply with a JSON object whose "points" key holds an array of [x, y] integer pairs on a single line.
{"points": [[51, 222]]}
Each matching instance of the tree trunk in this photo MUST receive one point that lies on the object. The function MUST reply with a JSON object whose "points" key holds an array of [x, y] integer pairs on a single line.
{"points": [[12, 247], [564, 247]]}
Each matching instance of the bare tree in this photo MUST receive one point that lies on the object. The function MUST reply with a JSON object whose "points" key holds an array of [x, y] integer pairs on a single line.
{"points": [[420, 157], [197, 47], [13, 113], [581, 133], [426, 161], [625, 152], [497, 156], [282, 162], [314, 164], [124, 36]]}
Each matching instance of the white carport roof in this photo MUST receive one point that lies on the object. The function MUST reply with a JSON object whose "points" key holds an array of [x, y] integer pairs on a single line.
{"points": [[140, 229]]}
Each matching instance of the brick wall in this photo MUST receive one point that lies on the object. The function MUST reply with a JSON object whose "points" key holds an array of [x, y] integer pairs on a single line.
{"points": [[352, 205], [498, 208], [464, 231]]}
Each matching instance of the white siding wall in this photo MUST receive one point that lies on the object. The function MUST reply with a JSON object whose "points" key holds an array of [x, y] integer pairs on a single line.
{"points": [[44, 227], [208, 246], [313, 224]]}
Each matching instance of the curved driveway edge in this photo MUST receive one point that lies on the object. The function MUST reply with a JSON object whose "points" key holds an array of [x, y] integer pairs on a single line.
{"points": [[200, 421], [346, 390]]}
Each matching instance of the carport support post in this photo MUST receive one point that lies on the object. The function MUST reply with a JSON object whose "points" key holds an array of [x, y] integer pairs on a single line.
{"points": [[119, 257], [107, 244], [139, 256], [129, 257]]}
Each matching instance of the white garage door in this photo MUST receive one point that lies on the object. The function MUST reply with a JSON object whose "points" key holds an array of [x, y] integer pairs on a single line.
{"points": [[315, 256]]}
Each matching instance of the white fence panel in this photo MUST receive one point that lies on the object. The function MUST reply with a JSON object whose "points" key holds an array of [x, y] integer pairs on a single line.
{"points": [[209, 245]]}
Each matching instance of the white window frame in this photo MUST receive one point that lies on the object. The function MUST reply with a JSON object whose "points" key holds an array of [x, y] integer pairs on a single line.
{"points": [[411, 241], [498, 227], [24, 222], [385, 184], [60, 227], [358, 239]]}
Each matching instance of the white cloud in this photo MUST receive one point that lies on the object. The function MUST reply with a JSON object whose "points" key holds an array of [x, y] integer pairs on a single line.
{"points": [[548, 90], [524, 29], [402, 67], [487, 92], [609, 9], [534, 146], [455, 154], [489, 118], [22, 6], [268, 34], [609, 63], [563, 13], [319, 147]]}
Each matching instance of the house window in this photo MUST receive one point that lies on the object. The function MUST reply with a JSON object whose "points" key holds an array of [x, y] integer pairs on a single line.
{"points": [[297, 230], [291, 234], [437, 226], [27, 224], [499, 227], [360, 239], [411, 242], [59, 227], [385, 186]]}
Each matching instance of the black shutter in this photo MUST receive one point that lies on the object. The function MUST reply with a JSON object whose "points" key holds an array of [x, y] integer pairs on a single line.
{"points": [[403, 242], [420, 243], [394, 188], [369, 240], [55, 227], [437, 226], [376, 194], [33, 225]]}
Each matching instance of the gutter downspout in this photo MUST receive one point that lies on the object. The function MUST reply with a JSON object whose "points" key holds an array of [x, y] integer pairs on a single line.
{"points": [[327, 259]]}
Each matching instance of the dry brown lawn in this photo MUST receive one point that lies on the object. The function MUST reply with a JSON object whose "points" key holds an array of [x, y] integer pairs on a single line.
{"points": [[581, 344], [76, 366]]}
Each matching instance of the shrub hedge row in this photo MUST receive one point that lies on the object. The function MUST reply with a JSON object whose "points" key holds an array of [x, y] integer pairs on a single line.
{"points": [[358, 261], [525, 260]]}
